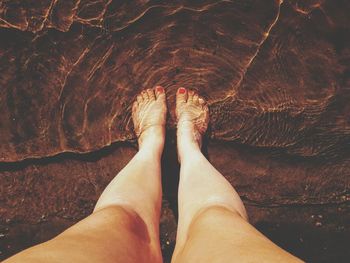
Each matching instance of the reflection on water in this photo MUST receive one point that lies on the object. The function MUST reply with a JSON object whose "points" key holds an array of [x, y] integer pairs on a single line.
{"points": [[275, 73]]}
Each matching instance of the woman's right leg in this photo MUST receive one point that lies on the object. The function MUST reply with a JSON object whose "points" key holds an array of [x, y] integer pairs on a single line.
{"points": [[124, 226], [213, 224]]}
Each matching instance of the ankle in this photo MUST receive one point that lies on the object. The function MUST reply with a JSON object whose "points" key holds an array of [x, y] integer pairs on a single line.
{"points": [[188, 145], [188, 154], [152, 139], [187, 133]]}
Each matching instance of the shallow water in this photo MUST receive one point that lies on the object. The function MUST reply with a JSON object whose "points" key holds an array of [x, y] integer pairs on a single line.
{"points": [[276, 76], [275, 73]]}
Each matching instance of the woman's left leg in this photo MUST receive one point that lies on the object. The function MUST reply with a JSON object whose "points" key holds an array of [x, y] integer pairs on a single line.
{"points": [[124, 226]]}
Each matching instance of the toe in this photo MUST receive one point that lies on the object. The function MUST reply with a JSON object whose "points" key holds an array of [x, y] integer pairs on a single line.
{"points": [[160, 93], [201, 101], [139, 98], [134, 107], [150, 93], [190, 95], [196, 98], [181, 96], [144, 95]]}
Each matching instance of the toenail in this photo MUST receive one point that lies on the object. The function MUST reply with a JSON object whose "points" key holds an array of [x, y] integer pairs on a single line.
{"points": [[159, 89], [191, 92], [182, 90]]}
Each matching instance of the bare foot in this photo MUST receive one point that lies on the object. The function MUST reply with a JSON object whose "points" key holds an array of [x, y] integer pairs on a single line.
{"points": [[192, 115], [149, 117]]}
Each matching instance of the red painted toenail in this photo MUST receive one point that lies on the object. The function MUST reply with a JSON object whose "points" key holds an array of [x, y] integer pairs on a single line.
{"points": [[159, 89], [182, 90]]}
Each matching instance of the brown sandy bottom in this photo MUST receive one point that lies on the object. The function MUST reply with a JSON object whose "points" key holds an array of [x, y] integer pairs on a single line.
{"points": [[276, 76]]}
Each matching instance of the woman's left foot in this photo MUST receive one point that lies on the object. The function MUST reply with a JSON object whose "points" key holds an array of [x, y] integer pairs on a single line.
{"points": [[192, 115], [149, 117]]}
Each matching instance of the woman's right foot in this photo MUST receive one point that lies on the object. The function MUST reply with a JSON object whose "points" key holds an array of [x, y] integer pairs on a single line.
{"points": [[149, 116], [192, 115]]}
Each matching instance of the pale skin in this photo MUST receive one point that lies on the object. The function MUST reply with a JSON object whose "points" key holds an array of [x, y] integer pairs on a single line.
{"points": [[124, 226]]}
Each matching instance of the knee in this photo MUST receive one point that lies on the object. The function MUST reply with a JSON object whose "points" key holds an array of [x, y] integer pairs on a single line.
{"points": [[206, 230], [126, 219], [134, 230], [213, 215]]}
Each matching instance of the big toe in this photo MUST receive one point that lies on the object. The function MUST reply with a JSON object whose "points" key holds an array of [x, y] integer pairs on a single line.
{"points": [[160, 93], [181, 96]]}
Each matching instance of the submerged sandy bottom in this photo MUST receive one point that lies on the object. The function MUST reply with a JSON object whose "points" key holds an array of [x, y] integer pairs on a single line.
{"points": [[276, 76]]}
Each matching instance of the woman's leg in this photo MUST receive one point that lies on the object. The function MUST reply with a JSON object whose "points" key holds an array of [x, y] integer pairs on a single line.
{"points": [[213, 224], [125, 222]]}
